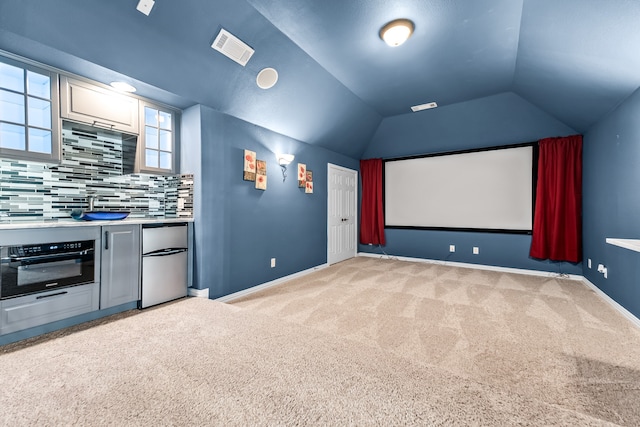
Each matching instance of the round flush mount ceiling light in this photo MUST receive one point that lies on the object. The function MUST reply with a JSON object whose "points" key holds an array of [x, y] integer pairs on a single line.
{"points": [[267, 78], [397, 32], [123, 87]]}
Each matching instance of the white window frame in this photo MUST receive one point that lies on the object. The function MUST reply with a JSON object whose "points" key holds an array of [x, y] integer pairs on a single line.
{"points": [[56, 146], [142, 143]]}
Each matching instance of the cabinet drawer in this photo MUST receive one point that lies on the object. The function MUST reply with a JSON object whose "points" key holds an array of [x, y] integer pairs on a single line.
{"points": [[97, 106], [34, 310], [164, 278]]}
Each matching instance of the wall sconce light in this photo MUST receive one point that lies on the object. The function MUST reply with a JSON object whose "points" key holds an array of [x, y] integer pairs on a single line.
{"points": [[283, 161]]}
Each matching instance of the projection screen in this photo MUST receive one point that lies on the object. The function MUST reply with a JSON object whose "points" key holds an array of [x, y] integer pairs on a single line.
{"points": [[489, 190]]}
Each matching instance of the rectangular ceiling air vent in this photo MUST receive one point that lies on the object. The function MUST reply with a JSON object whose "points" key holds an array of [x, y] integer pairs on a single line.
{"points": [[232, 47], [421, 107]]}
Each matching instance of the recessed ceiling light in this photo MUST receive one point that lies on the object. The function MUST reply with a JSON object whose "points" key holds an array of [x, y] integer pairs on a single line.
{"points": [[421, 107], [397, 32], [123, 87]]}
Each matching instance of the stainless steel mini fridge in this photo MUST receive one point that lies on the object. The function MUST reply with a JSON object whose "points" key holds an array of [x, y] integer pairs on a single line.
{"points": [[164, 263]]}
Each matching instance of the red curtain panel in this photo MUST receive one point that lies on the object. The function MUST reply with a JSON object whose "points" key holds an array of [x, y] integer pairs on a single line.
{"points": [[557, 223], [371, 212]]}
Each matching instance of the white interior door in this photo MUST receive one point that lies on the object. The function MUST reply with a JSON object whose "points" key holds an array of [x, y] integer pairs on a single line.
{"points": [[342, 222]]}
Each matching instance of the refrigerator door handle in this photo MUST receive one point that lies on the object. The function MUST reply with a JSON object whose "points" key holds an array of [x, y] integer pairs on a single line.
{"points": [[165, 252]]}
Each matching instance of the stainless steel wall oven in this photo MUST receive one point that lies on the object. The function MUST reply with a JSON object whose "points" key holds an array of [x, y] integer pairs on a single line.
{"points": [[36, 267], [28, 269]]}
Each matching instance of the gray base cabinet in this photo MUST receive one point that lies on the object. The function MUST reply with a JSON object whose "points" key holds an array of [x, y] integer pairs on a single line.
{"points": [[120, 265], [35, 310]]}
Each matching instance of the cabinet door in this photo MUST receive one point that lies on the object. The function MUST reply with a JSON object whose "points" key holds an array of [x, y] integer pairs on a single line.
{"points": [[120, 269], [98, 106]]}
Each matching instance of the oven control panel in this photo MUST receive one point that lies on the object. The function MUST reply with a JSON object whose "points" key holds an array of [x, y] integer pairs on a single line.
{"points": [[50, 248]]}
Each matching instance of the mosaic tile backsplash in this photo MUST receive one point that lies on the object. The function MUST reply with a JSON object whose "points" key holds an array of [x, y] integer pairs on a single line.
{"points": [[94, 162]]}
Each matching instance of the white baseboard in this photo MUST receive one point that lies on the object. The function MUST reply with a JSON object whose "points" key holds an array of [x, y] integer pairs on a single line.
{"points": [[475, 266], [626, 313], [200, 293], [266, 285]]}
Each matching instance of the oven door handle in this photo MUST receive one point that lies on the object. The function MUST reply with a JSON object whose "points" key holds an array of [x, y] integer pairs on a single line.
{"points": [[52, 295], [65, 255]]}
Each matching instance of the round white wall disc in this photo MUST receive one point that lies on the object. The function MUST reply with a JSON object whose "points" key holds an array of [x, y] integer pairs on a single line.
{"points": [[267, 78]]}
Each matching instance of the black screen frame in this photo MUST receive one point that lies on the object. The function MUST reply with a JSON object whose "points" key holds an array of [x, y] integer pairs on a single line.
{"points": [[534, 181]]}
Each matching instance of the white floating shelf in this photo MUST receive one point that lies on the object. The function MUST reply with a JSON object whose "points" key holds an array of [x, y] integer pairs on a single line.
{"points": [[633, 244]]}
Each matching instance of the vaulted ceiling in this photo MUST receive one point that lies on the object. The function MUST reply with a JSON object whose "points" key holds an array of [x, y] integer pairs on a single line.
{"points": [[573, 59]]}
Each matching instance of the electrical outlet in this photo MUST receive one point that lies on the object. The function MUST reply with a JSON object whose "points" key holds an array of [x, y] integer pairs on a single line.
{"points": [[476, 250], [603, 269], [589, 262], [452, 248], [273, 262]]}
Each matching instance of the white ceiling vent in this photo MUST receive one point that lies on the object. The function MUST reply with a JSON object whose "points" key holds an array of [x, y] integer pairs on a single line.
{"points": [[232, 47], [421, 107]]}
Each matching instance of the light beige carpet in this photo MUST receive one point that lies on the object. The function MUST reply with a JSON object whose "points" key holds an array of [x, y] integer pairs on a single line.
{"points": [[546, 338], [364, 353]]}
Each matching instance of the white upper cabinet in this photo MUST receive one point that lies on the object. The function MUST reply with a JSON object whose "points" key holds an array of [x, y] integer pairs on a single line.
{"points": [[97, 106]]}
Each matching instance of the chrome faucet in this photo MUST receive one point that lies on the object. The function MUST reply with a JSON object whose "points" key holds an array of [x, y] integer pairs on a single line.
{"points": [[91, 198]]}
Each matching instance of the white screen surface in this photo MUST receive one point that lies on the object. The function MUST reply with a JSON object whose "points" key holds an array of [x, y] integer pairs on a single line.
{"points": [[478, 190]]}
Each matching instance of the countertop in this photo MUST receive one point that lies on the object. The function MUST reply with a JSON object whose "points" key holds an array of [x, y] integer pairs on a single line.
{"points": [[631, 244], [11, 224]]}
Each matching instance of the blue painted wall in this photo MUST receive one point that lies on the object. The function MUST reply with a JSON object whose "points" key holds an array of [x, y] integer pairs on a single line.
{"points": [[492, 121], [170, 49], [611, 202], [238, 228], [495, 120]]}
